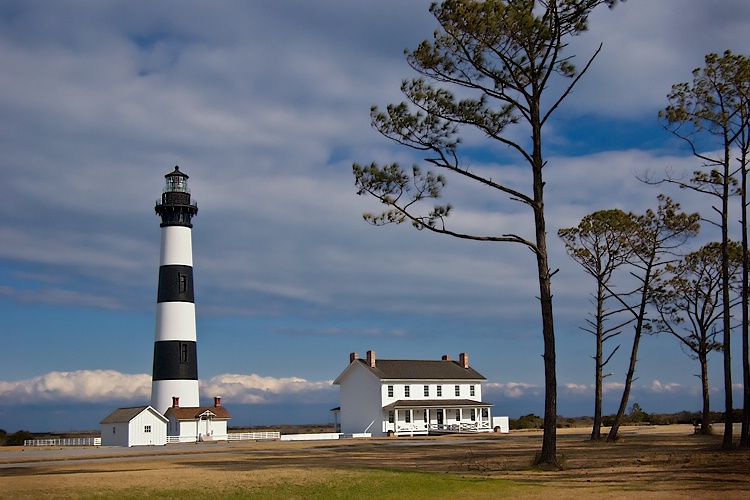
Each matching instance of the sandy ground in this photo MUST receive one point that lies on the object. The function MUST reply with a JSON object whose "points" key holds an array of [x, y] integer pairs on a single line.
{"points": [[647, 462]]}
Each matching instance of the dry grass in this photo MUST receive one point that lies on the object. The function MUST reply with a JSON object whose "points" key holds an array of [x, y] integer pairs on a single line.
{"points": [[642, 464]]}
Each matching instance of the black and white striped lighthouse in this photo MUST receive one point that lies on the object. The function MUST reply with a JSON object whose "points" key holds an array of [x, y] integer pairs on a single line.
{"points": [[175, 373]]}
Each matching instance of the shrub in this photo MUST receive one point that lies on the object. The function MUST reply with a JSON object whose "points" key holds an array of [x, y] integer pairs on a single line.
{"points": [[529, 421], [17, 438]]}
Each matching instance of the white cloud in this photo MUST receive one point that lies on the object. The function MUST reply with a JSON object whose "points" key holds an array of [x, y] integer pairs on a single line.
{"points": [[577, 389], [513, 390], [613, 387], [244, 389], [658, 387], [88, 386], [96, 386]]}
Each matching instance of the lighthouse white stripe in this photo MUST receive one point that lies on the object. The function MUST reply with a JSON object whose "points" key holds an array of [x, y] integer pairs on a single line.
{"points": [[175, 321], [176, 246], [162, 392]]}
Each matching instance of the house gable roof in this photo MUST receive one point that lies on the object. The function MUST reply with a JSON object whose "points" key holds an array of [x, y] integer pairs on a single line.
{"points": [[124, 415], [194, 412], [419, 369]]}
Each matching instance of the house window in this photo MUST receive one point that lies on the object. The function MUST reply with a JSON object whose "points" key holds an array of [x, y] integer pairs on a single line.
{"points": [[390, 391], [114, 430], [458, 390], [484, 412], [146, 428], [407, 391], [426, 390], [473, 414], [458, 414], [471, 390], [391, 416], [440, 391], [407, 416]]}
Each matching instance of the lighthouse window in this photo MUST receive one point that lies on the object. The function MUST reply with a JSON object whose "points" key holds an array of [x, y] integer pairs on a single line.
{"points": [[177, 184], [183, 282], [183, 353]]}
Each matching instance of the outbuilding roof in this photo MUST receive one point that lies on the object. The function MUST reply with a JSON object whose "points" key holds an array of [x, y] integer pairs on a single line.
{"points": [[123, 415]]}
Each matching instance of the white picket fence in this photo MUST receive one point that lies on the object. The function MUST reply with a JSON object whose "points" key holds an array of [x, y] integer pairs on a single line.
{"points": [[252, 436], [236, 436], [64, 442]]}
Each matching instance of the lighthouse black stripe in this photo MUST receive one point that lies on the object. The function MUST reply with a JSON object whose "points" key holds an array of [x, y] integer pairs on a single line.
{"points": [[175, 284], [175, 360]]}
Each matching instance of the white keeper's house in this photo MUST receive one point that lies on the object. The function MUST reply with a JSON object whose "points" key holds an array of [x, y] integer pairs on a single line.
{"points": [[411, 397]]}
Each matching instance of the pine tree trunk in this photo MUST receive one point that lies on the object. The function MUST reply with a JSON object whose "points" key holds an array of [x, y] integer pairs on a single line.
{"points": [[726, 443], [596, 431], [745, 432], [706, 413], [548, 455], [612, 436]]}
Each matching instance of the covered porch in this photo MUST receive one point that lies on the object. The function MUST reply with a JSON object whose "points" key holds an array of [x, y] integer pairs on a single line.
{"points": [[443, 416]]}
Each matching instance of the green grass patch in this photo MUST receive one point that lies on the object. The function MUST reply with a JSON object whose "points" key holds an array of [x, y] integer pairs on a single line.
{"points": [[338, 484]]}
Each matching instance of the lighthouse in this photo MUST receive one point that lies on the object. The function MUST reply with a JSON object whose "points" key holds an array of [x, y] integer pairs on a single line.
{"points": [[175, 373]]}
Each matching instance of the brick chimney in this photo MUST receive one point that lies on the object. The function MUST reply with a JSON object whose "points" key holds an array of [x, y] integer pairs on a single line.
{"points": [[175, 402], [217, 401], [463, 360], [353, 357], [446, 357], [371, 359]]}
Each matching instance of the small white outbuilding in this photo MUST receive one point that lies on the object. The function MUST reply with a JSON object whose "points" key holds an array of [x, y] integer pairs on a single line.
{"points": [[134, 426]]}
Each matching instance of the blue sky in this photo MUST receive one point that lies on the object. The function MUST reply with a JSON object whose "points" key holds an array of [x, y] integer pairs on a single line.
{"points": [[266, 106]]}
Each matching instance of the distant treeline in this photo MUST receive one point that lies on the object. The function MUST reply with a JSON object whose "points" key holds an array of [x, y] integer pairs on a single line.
{"points": [[636, 417]]}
